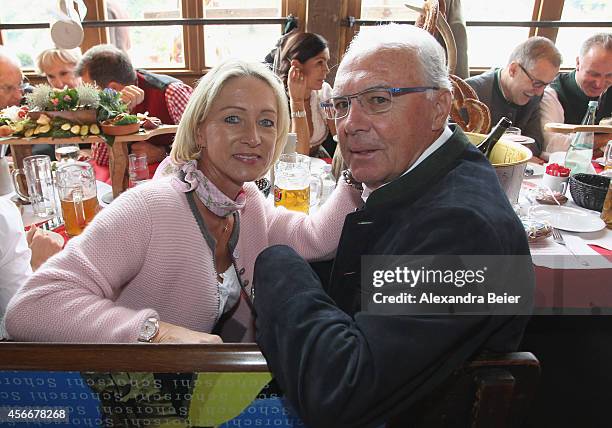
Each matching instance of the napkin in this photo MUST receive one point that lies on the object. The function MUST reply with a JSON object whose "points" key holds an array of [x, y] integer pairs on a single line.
{"points": [[547, 253]]}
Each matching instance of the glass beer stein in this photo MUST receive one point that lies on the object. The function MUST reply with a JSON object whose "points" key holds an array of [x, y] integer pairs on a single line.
{"points": [[39, 180], [76, 184], [293, 184]]}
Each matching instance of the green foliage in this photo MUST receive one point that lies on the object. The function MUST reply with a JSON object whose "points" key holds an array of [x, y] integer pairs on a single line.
{"points": [[110, 104], [126, 119]]}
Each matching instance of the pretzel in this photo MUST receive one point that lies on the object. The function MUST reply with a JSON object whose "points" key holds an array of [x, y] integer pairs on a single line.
{"points": [[442, 27], [462, 87], [479, 116], [464, 97], [428, 18]]}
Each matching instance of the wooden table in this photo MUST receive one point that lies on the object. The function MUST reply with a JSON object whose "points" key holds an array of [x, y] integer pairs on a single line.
{"points": [[22, 147]]}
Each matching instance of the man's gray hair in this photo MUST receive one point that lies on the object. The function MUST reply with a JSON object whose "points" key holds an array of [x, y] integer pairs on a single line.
{"points": [[535, 49], [600, 39], [404, 38]]}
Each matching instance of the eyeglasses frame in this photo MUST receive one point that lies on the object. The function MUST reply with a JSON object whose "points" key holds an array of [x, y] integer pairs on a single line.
{"points": [[393, 92]]}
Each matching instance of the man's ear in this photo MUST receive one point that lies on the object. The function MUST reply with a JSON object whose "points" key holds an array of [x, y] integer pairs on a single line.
{"points": [[513, 68], [441, 109], [577, 63]]}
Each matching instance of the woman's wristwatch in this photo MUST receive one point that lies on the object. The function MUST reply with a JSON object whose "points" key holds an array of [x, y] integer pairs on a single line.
{"points": [[148, 330], [350, 180]]}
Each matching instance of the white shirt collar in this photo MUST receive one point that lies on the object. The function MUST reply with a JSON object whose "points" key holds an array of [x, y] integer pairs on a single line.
{"points": [[443, 138]]}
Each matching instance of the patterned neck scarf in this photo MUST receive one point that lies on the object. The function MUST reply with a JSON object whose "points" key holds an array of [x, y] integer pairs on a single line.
{"points": [[212, 198]]}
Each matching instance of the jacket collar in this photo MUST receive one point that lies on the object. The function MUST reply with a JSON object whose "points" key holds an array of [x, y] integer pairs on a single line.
{"points": [[410, 186]]}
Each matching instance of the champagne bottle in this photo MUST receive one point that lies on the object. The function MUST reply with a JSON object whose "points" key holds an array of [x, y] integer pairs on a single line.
{"points": [[580, 151], [498, 130]]}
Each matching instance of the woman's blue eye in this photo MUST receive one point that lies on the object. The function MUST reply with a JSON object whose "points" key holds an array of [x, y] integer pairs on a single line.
{"points": [[232, 119], [267, 123]]}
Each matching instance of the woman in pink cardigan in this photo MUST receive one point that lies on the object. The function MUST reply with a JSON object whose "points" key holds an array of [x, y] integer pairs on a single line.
{"points": [[172, 259]]}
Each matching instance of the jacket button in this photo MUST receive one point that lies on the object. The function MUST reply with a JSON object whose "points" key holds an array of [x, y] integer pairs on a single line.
{"points": [[241, 271], [246, 282]]}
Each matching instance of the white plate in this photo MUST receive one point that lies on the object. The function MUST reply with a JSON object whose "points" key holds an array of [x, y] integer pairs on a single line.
{"points": [[522, 139], [538, 169], [568, 218], [104, 189]]}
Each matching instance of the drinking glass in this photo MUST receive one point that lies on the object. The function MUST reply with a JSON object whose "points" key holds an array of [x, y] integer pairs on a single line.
{"points": [[138, 169], [607, 159], [67, 152], [40, 188], [293, 184], [512, 130], [76, 184]]}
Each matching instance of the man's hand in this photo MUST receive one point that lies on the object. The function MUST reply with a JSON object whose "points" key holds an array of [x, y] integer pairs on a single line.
{"points": [[42, 246], [132, 96], [154, 153], [170, 333]]}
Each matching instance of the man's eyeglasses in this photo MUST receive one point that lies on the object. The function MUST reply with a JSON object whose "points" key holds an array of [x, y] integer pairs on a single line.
{"points": [[373, 100], [7, 89], [536, 83]]}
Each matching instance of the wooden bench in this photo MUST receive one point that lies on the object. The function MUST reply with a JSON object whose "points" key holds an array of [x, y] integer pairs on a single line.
{"points": [[228, 385]]}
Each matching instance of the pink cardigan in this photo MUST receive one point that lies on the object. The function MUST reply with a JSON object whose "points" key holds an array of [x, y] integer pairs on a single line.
{"points": [[145, 256]]}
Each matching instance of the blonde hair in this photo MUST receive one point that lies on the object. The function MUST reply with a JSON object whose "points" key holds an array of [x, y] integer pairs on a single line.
{"points": [[185, 146], [50, 56]]}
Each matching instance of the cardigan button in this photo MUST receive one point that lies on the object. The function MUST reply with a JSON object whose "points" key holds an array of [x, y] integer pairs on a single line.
{"points": [[241, 271], [246, 282]]}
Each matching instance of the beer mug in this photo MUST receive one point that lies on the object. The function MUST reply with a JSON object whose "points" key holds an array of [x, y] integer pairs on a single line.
{"points": [[607, 159], [76, 184], [41, 191], [294, 187]]}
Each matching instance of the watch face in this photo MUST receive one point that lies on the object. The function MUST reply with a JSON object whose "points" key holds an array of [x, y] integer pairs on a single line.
{"points": [[148, 330]]}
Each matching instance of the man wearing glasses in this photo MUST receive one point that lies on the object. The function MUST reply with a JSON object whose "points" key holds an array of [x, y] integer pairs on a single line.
{"points": [[566, 99], [12, 88], [515, 91], [426, 191], [11, 80]]}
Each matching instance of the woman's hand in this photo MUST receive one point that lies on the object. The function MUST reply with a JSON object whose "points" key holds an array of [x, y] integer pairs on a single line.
{"points": [[170, 333], [296, 83], [42, 246]]}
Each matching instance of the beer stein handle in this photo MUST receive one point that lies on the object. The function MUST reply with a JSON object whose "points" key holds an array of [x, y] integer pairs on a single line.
{"points": [[316, 188], [16, 173], [79, 209]]}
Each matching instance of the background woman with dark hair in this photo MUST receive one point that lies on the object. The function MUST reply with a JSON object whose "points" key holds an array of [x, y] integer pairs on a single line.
{"points": [[302, 63]]}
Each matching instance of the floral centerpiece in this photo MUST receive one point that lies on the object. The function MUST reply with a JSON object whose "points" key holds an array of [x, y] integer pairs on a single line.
{"points": [[69, 112]]}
